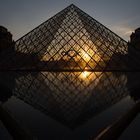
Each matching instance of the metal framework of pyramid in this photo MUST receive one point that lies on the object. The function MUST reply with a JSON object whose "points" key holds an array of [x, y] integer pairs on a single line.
{"points": [[71, 41]]}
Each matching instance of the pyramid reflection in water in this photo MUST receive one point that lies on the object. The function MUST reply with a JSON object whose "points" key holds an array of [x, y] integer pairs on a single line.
{"points": [[71, 97]]}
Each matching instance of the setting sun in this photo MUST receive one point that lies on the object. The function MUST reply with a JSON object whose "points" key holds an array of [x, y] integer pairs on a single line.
{"points": [[86, 56]]}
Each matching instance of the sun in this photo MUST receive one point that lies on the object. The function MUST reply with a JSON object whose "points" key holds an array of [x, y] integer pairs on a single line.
{"points": [[86, 56]]}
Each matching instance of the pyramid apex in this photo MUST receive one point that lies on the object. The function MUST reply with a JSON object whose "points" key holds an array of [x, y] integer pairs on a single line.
{"points": [[72, 5]]}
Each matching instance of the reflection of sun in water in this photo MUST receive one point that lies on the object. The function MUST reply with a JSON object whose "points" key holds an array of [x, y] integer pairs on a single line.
{"points": [[88, 77], [84, 74]]}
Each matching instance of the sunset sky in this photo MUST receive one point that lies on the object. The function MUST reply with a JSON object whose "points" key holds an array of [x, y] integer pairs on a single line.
{"points": [[21, 16]]}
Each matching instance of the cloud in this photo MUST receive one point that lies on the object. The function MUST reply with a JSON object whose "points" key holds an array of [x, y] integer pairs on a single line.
{"points": [[123, 31]]}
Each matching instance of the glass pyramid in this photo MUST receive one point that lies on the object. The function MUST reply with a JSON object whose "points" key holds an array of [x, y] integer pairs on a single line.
{"points": [[70, 41]]}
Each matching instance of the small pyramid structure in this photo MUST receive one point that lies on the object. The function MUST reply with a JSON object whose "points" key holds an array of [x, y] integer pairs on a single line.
{"points": [[71, 41]]}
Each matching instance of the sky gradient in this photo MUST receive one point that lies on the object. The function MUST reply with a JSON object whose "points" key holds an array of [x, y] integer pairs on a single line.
{"points": [[21, 16]]}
